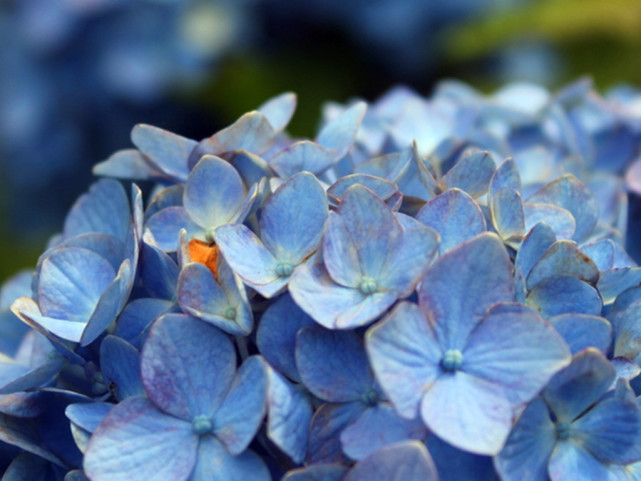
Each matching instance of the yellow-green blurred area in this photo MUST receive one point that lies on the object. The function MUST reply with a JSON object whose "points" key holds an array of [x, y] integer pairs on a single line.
{"points": [[548, 41]]}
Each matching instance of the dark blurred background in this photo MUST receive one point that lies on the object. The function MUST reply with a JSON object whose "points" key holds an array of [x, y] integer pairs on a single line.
{"points": [[76, 75]]}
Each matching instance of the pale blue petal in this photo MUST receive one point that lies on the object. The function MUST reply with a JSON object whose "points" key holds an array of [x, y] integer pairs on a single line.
{"points": [[242, 411], [613, 282], [536, 242], [340, 253], [517, 351], [571, 461], [560, 220], [527, 451], [379, 426], [460, 286], [455, 216], [135, 441], [564, 295], [467, 412], [167, 151], [506, 175], [214, 463], [214, 193], [507, 215], [472, 174], [279, 110], [166, 224], [293, 218], [580, 385], [251, 167], [333, 364], [187, 366], [384, 189], [581, 331], [302, 156], [563, 258], [88, 416], [126, 164], [339, 133], [406, 461], [405, 356]]}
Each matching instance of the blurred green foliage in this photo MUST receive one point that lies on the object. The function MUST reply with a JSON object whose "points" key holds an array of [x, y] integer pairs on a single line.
{"points": [[601, 38]]}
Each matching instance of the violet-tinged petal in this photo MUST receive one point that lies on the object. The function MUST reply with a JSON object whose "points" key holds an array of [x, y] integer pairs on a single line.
{"points": [[527, 451], [246, 254], [563, 258], [333, 364], [136, 441], [472, 174], [455, 216], [214, 193], [293, 218], [317, 472], [166, 224], [581, 331], [571, 194], [406, 461], [610, 431], [560, 220], [571, 461], [339, 133], [340, 253], [328, 422], [506, 175], [570, 392], [517, 351], [71, 283], [507, 215], [279, 110], [302, 156], [104, 209], [334, 306], [379, 426], [536, 242], [405, 356], [127, 164], [460, 286], [214, 463], [564, 295], [200, 295], [410, 257], [289, 414], [239, 416], [187, 366], [120, 363], [166, 150], [276, 335]]}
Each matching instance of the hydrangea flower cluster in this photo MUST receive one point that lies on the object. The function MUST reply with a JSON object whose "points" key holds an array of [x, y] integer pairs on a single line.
{"points": [[430, 289]]}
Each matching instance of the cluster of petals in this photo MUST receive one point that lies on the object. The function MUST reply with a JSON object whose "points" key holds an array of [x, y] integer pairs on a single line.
{"points": [[432, 288]]}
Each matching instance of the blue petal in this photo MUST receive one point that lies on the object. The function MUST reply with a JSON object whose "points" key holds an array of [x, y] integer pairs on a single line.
{"points": [[127, 164], [506, 175], [23, 434], [137, 316], [120, 363], [507, 215], [88, 415], [317, 472], [27, 467], [167, 151], [472, 174], [460, 286], [159, 272], [569, 193], [279, 110], [339, 133], [136, 441], [564, 295], [302, 156], [453, 464], [251, 167], [527, 451], [560, 220], [384, 189], [580, 385], [581, 331], [340, 253], [379, 426], [214, 193], [328, 422], [536, 242], [408, 461], [455, 216], [405, 356], [517, 351], [293, 218], [186, 366], [289, 415], [563, 258], [276, 335], [214, 463], [333, 364], [166, 224], [613, 282], [571, 461], [71, 282]]}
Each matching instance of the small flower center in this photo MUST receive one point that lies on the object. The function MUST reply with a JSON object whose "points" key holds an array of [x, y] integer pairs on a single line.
{"points": [[230, 312], [563, 431], [201, 425], [452, 360], [284, 269], [368, 285], [370, 397]]}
